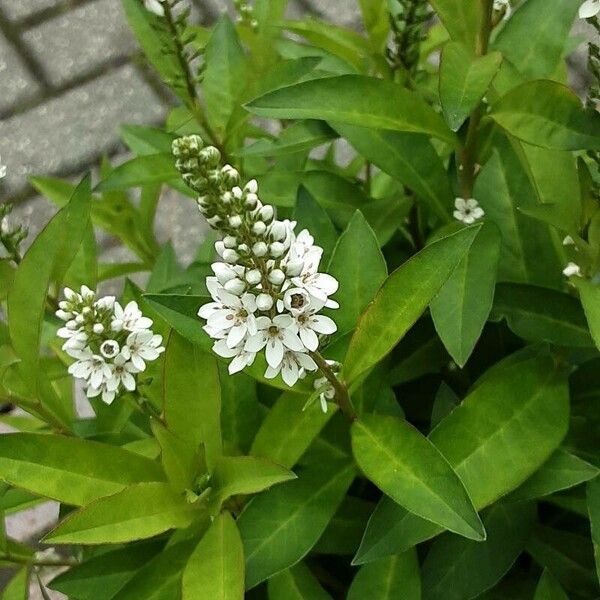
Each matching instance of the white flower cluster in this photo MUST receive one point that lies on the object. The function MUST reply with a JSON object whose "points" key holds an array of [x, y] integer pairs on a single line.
{"points": [[467, 211], [267, 290], [111, 344]]}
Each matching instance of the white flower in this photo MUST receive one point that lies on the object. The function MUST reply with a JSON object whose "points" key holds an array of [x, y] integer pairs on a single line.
{"points": [[108, 395], [503, 5], [568, 241], [142, 346], [292, 367], [235, 316], [129, 318], [589, 9], [572, 269], [122, 373], [75, 344], [467, 211], [109, 349], [311, 324], [242, 358], [278, 335], [319, 286], [155, 6], [327, 391], [92, 368]]}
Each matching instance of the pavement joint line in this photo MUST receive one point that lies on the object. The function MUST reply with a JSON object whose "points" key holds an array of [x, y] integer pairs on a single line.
{"points": [[47, 14]]}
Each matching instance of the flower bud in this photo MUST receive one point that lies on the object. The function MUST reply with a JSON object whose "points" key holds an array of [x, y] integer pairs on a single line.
{"points": [[79, 319], [264, 302], [259, 249], [237, 192], [210, 156], [276, 249], [276, 277], [253, 276], [243, 248], [266, 212], [63, 315], [70, 295], [219, 247], [259, 228], [223, 272], [86, 293], [278, 231], [230, 241], [251, 200], [226, 197], [235, 221], [294, 267], [230, 256], [235, 286], [98, 328], [214, 221], [251, 187]]}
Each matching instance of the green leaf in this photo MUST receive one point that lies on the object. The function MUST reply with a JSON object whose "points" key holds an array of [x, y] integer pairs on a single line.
{"points": [[462, 19], [192, 396], [464, 80], [224, 76], [402, 463], [548, 114], [280, 527], [537, 51], [560, 472], [456, 568], [358, 264], [541, 315], [141, 170], [590, 298], [102, 576], [140, 511], [146, 140], [355, 100], [288, 430], [549, 589], [297, 583], [235, 475], [70, 470], [402, 299], [593, 504], [18, 587], [461, 308], [216, 567], [410, 158], [377, 22], [388, 579]]}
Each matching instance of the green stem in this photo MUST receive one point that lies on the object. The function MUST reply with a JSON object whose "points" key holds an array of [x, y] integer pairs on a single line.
{"points": [[342, 398], [47, 562]]}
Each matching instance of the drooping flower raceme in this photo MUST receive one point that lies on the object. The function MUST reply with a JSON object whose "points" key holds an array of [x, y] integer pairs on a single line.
{"points": [[267, 291], [111, 344], [467, 211]]}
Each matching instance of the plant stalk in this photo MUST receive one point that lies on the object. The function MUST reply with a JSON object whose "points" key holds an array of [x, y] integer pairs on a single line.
{"points": [[342, 397]]}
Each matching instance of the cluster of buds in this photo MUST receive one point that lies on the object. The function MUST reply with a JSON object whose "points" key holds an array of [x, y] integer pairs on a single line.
{"points": [[267, 291], [246, 13], [111, 344]]}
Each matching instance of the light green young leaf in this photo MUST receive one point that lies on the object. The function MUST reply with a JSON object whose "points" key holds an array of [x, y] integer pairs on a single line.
{"points": [[237, 475], [409, 158], [18, 587], [70, 470], [141, 170], [461, 308], [358, 264], [140, 511], [280, 527], [402, 299], [216, 567], [355, 100], [394, 578], [590, 298], [548, 114], [464, 80], [560, 472], [549, 589], [377, 22], [456, 568], [593, 505], [296, 583], [146, 140], [409, 469], [192, 396], [462, 19]]}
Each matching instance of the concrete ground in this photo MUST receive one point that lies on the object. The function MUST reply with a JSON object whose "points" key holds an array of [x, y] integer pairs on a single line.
{"points": [[69, 75]]}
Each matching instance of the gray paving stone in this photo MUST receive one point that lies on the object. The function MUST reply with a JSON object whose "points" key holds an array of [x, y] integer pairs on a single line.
{"points": [[75, 42], [19, 9], [15, 82], [71, 130]]}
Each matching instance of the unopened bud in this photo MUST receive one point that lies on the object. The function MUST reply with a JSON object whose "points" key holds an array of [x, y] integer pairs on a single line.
{"points": [[251, 187], [253, 276], [276, 277], [219, 247], [226, 198], [278, 230], [276, 249], [266, 213], [235, 286], [251, 200], [235, 221], [294, 267], [259, 228], [230, 256], [243, 248], [223, 273], [264, 302], [210, 156], [259, 249], [230, 241], [98, 328]]}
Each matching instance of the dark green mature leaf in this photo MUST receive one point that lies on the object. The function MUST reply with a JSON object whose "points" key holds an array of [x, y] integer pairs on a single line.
{"points": [[541, 315], [280, 527], [358, 264], [461, 308], [411, 471], [409, 158], [140, 511], [297, 583], [549, 589], [192, 396], [289, 429], [464, 80], [560, 472], [457, 569], [590, 298], [462, 19], [71, 470], [537, 51], [216, 567], [224, 77], [141, 170], [402, 299], [101, 577], [548, 114], [593, 504], [355, 100]]}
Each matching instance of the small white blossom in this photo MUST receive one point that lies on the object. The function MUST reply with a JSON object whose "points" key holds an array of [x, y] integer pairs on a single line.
{"points": [[589, 9], [276, 335], [467, 211], [327, 392], [122, 374], [292, 367], [572, 270], [309, 325], [142, 346], [155, 6], [242, 357], [503, 5], [129, 318]]}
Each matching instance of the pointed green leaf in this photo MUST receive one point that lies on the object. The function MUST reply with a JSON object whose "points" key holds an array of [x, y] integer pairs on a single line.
{"points": [[593, 503], [141, 170], [297, 583], [18, 587], [590, 298], [462, 19], [402, 299], [216, 567], [549, 589]]}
